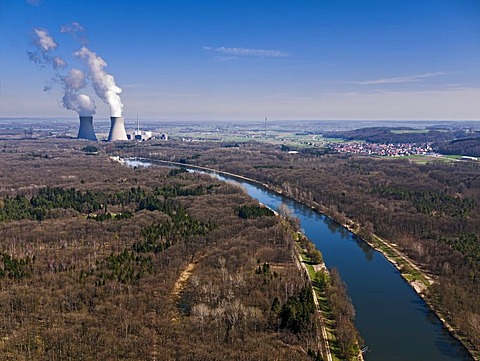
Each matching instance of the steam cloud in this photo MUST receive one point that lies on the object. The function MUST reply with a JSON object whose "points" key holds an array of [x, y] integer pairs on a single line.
{"points": [[44, 41], [103, 83], [71, 83], [76, 30], [44, 44], [72, 28], [81, 103], [75, 80]]}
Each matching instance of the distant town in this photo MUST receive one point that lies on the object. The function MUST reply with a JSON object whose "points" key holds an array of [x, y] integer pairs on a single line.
{"points": [[390, 149]]}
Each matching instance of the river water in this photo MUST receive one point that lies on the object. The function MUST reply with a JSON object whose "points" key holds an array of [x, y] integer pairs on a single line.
{"points": [[394, 321]]}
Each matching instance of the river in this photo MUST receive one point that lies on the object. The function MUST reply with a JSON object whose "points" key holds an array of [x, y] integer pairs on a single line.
{"points": [[394, 321]]}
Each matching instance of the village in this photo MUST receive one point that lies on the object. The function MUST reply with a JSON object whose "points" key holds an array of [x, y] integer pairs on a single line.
{"points": [[389, 150]]}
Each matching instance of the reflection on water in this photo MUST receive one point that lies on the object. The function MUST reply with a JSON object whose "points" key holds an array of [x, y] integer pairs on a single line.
{"points": [[335, 227], [367, 250]]}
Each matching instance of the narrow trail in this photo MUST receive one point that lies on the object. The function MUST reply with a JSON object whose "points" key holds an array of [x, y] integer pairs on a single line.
{"points": [[182, 279], [153, 320], [178, 287], [419, 286]]}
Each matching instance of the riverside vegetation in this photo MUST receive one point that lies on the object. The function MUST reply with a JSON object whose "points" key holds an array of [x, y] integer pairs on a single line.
{"points": [[99, 261], [429, 212]]}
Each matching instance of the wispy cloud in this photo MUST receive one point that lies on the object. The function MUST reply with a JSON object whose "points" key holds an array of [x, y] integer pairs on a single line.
{"points": [[399, 79], [223, 58], [72, 27], [33, 2], [235, 53]]}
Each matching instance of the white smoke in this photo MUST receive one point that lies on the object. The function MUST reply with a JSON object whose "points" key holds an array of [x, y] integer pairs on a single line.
{"points": [[75, 80], [44, 41], [81, 103], [76, 30], [58, 63], [72, 28], [103, 83], [44, 44], [71, 83]]}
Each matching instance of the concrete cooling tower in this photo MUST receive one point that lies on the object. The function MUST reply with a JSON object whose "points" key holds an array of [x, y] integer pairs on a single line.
{"points": [[86, 128], [117, 129]]}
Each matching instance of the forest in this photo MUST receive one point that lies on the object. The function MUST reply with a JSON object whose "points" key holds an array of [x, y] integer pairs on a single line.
{"points": [[99, 261], [467, 146], [431, 210]]}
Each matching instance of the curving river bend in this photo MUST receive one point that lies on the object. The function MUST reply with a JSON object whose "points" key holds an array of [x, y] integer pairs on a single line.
{"points": [[394, 321]]}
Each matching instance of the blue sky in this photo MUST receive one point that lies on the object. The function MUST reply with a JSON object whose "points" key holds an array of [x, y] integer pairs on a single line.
{"points": [[246, 59]]}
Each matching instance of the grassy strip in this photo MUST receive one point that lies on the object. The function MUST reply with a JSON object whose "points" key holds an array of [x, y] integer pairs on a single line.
{"points": [[406, 270], [328, 320]]}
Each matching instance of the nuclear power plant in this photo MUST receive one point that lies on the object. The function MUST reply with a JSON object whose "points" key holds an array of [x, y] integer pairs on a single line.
{"points": [[86, 130], [117, 129]]}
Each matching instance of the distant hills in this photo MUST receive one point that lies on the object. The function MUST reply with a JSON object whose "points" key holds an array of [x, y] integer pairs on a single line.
{"points": [[445, 141]]}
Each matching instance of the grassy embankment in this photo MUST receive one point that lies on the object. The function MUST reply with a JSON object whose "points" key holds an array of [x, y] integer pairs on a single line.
{"points": [[327, 320]]}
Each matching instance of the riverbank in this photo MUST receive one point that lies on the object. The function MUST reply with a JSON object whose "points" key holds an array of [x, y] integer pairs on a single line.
{"points": [[327, 324], [417, 278], [302, 267]]}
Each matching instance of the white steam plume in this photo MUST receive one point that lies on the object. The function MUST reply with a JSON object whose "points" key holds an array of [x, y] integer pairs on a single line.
{"points": [[72, 28], [44, 44], [76, 30], [75, 80], [58, 63], [71, 83], [81, 103], [103, 83], [44, 41]]}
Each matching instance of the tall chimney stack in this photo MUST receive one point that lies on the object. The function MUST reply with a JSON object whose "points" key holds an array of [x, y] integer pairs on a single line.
{"points": [[117, 129], [86, 128]]}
